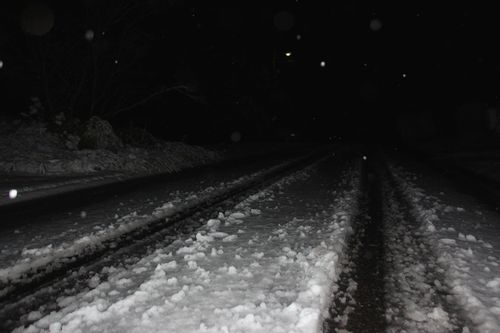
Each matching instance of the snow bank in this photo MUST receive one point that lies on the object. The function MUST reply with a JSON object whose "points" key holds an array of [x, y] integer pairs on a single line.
{"points": [[34, 150]]}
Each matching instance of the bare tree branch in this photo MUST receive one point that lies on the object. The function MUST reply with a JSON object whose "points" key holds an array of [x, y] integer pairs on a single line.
{"points": [[179, 88]]}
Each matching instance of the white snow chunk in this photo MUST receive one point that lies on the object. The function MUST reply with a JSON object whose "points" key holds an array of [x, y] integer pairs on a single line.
{"points": [[94, 281], [254, 211], [34, 315], [470, 238], [213, 223], [448, 241], [230, 238], [203, 238], [237, 215], [494, 284], [177, 297]]}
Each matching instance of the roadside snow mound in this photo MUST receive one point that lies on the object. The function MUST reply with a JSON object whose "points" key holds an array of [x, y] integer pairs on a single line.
{"points": [[32, 149], [99, 134]]}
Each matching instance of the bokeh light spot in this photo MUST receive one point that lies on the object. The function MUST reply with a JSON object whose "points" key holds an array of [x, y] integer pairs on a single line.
{"points": [[13, 194], [89, 35], [375, 25], [37, 18], [236, 136]]}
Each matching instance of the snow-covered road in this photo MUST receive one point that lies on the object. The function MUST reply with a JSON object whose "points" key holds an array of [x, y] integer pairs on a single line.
{"points": [[453, 249], [36, 241], [267, 265], [300, 255]]}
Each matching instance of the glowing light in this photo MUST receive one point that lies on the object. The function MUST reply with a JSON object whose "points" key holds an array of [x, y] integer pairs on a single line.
{"points": [[236, 136], [404, 75], [116, 62], [375, 25], [299, 37], [288, 54], [89, 35], [1, 64], [83, 214], [364, 158], [322, 64], [13, 194]]}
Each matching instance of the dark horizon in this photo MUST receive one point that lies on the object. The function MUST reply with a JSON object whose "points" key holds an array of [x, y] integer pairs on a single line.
{"points": [[266, 70]]}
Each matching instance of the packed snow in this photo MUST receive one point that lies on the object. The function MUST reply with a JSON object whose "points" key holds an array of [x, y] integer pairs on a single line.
{"points": [[412, 286], [463, 238], [268, 265]]}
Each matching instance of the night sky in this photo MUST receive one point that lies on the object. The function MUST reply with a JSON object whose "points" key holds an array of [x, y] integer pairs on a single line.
{"points": [[199, 70]]}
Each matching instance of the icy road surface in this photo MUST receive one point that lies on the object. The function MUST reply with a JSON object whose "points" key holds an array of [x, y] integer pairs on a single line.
{"points": [[269, 265]]}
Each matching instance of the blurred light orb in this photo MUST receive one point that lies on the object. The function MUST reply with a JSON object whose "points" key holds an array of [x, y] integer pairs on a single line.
{"points": [[299, 37], [37, 18], [83, 214], [89, 35], [288, 54], [1, 64], [364, 158], [322, 64], [284, 21], [236, 136], [375, 25], [13, 194]]}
